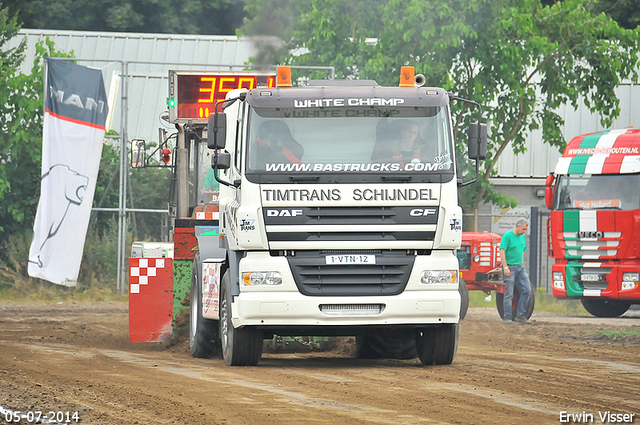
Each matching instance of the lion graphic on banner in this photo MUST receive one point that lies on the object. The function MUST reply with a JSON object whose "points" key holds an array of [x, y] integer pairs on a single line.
{"points": [[67, 189]]}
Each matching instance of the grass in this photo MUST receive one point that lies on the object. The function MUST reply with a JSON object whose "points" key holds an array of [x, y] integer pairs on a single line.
{"points": [[96, 281], [16, 287], [544, 303], [35, 290], [48, 292], [620, 333]]}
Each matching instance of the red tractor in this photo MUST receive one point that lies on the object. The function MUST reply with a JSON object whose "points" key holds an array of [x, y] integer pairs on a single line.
{"points": [[481, 270]]}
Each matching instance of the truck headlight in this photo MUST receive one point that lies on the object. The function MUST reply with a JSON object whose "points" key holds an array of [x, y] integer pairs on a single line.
{"points": [[262, 278], [558, 281], [630, 280], [439, 277]]}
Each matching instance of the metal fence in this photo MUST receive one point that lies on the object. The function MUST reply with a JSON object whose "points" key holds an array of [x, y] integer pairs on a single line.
{"points": [[539, 264]]}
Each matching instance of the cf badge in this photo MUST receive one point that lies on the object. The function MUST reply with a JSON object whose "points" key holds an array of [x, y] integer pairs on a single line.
{"points": [[422, 212]]}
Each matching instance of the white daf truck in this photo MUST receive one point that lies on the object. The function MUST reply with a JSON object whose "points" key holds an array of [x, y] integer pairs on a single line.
{"points": [[338, 216]]}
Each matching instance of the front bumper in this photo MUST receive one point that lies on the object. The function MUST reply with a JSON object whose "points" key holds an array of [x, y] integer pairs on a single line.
{"points": [[295, 309], [283, 305], [610, 287]]}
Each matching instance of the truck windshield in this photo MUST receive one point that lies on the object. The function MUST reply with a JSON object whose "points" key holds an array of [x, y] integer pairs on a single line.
{"points": [[603, 191], [356, 141]]}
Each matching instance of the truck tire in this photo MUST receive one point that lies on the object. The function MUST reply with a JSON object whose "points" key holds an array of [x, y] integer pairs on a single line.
{"points": [[387, 344], [514, 303], [464, 298], [437, 344], [241, 346], [203, 333], [601, 307]]}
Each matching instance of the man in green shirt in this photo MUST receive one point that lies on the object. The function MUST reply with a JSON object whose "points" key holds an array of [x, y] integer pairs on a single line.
{"points": [[512, 248]]}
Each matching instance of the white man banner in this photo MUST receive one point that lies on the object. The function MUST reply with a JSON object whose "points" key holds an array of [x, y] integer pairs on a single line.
{"points": [[73, 133]]}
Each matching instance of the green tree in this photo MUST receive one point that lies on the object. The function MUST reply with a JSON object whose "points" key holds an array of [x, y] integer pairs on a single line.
{"points": [[521, 59], [366, 39], [149, 189], [153, 16], [337, 33], [625, 12], [10, 60], [20, 128], [530, 59]]}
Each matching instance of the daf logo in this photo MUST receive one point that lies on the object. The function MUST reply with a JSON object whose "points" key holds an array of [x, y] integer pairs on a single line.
{"points": [[284, 213], [422, 212]]}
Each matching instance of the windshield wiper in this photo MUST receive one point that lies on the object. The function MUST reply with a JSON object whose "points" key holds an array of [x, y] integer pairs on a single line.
{"points": [[304, 178], [396, 178]]}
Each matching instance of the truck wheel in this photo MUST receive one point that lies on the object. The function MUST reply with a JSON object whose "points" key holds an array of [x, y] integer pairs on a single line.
{"points": [[203, 333], [437, 344], [464, 298], [242, 346], [600, 307], [364, 349], [387, 344], [514, 303]]}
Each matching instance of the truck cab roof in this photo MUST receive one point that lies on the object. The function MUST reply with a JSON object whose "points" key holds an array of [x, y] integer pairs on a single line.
{"points": [[605, 152], [347, 93]]}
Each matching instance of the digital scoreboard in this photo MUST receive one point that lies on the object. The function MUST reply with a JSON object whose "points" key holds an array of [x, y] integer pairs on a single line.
{"points": [[193, 95]]}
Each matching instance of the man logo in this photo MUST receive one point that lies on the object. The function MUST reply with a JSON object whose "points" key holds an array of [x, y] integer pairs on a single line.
{"points": [[284, 213], [422, 212]]}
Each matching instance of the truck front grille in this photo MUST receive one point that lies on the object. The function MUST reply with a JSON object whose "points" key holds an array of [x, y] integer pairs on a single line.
{"points": [[352, 309], [388, 276], [351, 215], [350, 236], [590, 275], [351, 224], [577, 247]]}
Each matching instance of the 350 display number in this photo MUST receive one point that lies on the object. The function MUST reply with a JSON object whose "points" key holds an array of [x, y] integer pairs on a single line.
{"points": [[37, 416]]}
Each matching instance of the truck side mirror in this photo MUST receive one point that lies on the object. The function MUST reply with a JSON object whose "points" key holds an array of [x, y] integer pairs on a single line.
{"points": [[483, 142], [138, 153], [548, 191], [221, 161], [477, 144], [217, 131]]}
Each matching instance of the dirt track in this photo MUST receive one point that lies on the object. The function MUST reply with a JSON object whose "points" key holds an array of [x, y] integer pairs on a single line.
{"points": [[76, 357]]}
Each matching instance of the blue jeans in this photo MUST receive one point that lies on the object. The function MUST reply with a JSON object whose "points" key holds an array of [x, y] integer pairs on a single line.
{"points": [[518, 277]]}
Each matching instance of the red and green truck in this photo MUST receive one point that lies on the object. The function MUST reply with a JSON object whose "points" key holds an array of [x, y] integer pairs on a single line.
{"points": [[593, 231]]}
